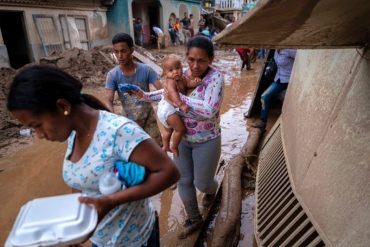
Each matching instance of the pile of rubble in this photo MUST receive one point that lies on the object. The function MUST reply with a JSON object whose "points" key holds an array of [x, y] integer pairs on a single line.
{"points": [[89, 66], [8, 126]]}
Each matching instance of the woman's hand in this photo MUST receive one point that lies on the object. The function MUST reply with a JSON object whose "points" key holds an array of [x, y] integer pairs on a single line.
{"points": [[184, 107], [137, 93], [189, 75], [102, 204]]}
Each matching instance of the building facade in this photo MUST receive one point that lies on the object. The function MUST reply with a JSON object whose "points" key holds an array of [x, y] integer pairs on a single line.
{"points": [[229, 8], [151, 12], [33, 29]]}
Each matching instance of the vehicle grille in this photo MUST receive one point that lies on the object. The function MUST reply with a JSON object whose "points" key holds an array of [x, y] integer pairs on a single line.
{"points": [[280, 219]]}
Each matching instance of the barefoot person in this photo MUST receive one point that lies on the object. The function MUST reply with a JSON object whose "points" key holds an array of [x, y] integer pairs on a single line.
{"points": [[50, 101], [175, 82]]}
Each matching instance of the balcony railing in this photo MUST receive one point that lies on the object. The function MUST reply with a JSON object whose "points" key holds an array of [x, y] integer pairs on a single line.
{"points": [[229, 4]]}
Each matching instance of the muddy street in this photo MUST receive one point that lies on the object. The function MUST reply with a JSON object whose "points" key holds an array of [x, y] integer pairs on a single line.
{"points": [[35, 169]]}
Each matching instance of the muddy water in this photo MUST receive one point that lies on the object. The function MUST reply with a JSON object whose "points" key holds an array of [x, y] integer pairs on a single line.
{"points": [[35, 171]]}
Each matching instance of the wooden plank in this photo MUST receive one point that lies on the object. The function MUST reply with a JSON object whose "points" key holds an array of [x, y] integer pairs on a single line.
{"points": [[301, 24], [147, 61]]}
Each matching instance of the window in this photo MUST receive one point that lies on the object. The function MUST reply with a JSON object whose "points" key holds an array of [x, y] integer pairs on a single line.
{"points": [[48, 33], [75, 31]]}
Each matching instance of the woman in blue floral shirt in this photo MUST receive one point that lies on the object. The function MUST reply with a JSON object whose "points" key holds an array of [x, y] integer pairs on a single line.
{"points": [[50, 101]]}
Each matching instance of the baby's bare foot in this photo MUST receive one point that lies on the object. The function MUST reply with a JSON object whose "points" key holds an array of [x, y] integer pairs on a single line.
{"points": [[166, 148], [175, 151]]}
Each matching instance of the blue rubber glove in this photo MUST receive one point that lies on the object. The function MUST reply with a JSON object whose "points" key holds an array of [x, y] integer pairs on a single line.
{"points": [[130, 173], [125, 87]]}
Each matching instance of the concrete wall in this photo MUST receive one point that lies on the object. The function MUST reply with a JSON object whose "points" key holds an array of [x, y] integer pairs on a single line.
{"points": [[326, 136], [120, 18], [96, 21]]}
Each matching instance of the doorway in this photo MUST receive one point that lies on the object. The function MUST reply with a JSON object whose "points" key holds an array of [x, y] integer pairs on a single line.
{"points": [[149, 11], [16, 42]]}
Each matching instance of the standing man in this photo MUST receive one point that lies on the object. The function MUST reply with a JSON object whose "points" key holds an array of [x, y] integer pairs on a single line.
{"points": [[185, 27], [172, 32], [177, 28], [138, 32], [134, 73], [191, 25]]}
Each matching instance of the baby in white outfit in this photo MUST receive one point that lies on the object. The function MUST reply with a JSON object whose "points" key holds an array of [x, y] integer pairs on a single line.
{"points": [[175, 83]]}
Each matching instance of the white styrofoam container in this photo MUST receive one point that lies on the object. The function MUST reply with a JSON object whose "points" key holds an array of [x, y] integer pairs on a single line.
{"points": [[52, 221]]}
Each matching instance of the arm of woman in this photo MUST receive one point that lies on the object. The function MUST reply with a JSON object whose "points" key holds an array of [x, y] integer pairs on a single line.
{"points": [[162, 174], [211, 103], [152, 96], [133, 144]]}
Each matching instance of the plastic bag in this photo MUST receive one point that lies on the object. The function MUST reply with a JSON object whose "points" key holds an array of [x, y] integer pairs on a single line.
{"points": [[125, 87], [130, 173]]}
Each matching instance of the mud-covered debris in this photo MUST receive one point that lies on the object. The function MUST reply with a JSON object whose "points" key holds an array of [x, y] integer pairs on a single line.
{"points": [[146, 53], [89, 66]]}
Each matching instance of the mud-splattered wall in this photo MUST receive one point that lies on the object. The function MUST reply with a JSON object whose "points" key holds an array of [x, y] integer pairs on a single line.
{"points": [[94, 30]]}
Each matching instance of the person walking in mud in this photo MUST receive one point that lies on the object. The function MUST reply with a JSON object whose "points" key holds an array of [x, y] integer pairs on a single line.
{"points": [[200, 148], [244, 56], [51, 102], [284, 60], [130, 72]]}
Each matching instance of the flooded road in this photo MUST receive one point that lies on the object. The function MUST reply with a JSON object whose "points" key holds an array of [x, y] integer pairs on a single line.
{"points": [[35, 171]]}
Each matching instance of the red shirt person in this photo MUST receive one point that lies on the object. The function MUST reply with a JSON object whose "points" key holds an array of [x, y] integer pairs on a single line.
{"points": [[244, 56]]}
